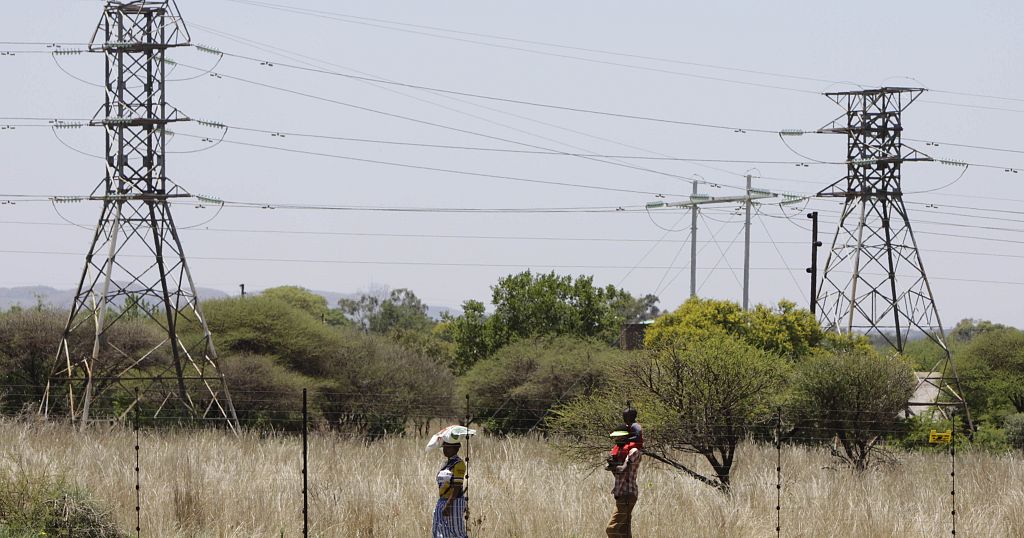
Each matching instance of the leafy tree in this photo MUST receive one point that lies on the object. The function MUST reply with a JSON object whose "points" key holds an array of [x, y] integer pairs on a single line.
{"points": [[991, 371], [527, 305], [696, 395], [359, 310], [697, 318], [856, 396], [468, 335], [923, 354], [1014, 425], [400, 309], [784, 329], [513, 390], [966, 329], [135, 307], [335, 317], [635, 309]]}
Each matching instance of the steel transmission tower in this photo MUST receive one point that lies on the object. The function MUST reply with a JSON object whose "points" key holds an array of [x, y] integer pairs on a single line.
{"points": [[874, 282], [135, 266]]}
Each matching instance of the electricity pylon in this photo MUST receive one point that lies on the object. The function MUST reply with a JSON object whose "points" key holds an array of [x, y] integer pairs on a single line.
{"points": [[135, 261], [874, 281]]}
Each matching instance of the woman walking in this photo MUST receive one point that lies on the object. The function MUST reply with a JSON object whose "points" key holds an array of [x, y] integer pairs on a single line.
{"points": [[450, 510]]}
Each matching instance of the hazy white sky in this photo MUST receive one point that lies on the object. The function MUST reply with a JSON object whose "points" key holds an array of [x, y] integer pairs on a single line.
{"points": [[975, 232]]}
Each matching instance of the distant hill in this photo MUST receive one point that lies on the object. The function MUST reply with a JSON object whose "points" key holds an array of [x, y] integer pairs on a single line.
{"points": [[29, 296]]}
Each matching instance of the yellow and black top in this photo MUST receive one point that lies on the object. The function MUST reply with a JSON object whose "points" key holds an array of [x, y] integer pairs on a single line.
{"points": [[453, 473]]}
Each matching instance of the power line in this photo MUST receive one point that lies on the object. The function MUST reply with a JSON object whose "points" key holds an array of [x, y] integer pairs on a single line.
{"points": [[377, 80], [508, 237], [962, 145], [383, 262], [429, 123], [296, 56], [286, 133], [356, 208], [576, 209], [470, 264], [51, 119], [416, 235], [439, 169], [569, 47], [989, 209], [264, 61], [14, 52], [48, 44], [339, 18], [382, 24], [916, 231], [956, 224]]}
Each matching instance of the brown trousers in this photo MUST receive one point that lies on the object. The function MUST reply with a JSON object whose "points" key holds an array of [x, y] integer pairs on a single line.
{"points": [[622, 519]]}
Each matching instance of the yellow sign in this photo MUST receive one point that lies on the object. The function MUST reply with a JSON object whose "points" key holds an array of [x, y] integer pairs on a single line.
{"points": [[936, 438]]}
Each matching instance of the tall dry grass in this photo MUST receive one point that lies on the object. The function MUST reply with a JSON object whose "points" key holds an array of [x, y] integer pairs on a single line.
{"points": [[214, 484]]}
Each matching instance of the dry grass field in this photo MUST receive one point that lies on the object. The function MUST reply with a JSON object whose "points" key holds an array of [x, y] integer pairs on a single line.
{"points": [[214, 484]]}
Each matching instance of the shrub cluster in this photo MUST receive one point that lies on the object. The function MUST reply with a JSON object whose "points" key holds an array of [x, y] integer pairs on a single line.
{"points": [[512, 391], [32, 504]]}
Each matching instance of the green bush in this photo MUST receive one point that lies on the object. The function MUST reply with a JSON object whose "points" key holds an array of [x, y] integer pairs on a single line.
{"points": [[856, 395], [38, 505], [427, 343], [265, 393], [696, 396], [29, 340], [1014, 427], [990, 438], [383, 386], [782, 329], [918, 428], [362, 383], [513, 390], [992, 373], [271, 326], [299, 297]]}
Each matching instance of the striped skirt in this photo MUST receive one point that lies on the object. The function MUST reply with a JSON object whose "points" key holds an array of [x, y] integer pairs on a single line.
{"points": [[453, 526]]}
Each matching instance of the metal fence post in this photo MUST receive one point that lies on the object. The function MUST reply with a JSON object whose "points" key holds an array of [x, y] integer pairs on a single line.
{"points": [[138, 484], [952, 469], [778, 473], [305, 466]]}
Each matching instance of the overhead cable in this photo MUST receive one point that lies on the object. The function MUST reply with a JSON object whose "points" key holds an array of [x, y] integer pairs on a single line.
{"points": [[298, 57], [430, 31], [431, 123], [443, 170]]}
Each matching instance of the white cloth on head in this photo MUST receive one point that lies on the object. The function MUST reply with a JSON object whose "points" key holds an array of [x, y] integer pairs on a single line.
{"points": [[450, 434]]}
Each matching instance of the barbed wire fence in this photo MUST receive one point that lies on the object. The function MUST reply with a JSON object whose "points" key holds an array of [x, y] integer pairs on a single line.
{"points": [[267, 419]]}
